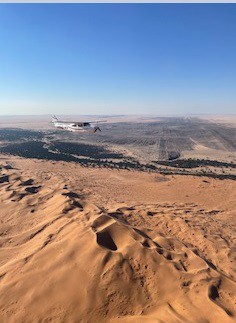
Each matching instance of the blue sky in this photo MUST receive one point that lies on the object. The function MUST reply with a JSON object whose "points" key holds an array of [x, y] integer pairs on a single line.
{"points": [[117, 58]]}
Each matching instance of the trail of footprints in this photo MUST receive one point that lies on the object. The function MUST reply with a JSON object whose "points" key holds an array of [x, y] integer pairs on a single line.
{"points": [[114, 234]]}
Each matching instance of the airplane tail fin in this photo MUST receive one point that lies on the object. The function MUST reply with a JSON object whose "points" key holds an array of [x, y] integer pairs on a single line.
{"points": [[54, 118]]}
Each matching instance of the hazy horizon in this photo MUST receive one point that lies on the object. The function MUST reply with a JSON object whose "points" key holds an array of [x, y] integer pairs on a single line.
{"points": [[118, 115]]}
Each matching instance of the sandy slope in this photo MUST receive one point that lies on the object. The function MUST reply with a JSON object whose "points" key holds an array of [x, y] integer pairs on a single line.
{"points": [[90, 245]]}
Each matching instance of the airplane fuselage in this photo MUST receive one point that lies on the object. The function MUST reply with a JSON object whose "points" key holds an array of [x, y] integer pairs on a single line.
{"points": [[74, 127]]}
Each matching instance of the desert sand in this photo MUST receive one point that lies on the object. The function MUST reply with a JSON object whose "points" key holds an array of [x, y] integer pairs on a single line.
{"points": [[98, 245]]}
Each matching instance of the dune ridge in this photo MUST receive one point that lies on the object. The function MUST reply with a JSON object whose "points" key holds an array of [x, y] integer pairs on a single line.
{"points": [[69, 253]]}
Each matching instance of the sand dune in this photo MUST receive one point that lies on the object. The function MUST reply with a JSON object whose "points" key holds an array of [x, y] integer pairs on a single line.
{"points": [[85, 245]]}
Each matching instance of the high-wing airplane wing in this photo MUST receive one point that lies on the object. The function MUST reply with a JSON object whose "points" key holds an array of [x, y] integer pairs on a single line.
{"points": [[54, 119]]}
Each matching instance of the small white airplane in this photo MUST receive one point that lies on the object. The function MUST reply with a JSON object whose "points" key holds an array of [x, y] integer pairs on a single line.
{"points": [[90, 126]]}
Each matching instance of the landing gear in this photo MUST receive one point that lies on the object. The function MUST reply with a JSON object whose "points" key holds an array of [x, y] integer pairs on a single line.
{"points": [[97, 129]]}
